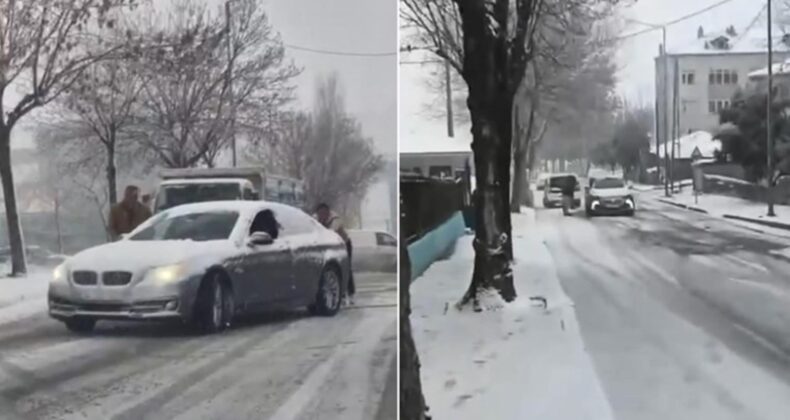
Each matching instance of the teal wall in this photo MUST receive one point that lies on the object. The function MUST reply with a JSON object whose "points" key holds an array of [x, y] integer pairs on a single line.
{"points": [[435, 244]]}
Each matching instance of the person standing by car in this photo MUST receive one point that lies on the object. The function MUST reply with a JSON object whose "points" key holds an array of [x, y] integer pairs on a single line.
{"points": [[331, 221], [128, 214]]}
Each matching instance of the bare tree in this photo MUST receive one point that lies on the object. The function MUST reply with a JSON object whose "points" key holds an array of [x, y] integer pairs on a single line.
{"points": [[187, 107], [103, 102], [42, 53], [326, 149]]}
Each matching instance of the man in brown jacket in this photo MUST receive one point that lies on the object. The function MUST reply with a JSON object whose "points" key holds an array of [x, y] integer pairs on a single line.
{"points": [[128, 214]]}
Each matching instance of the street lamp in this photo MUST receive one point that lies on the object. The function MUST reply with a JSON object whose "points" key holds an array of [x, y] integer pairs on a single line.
{"points": [[665, 102]]}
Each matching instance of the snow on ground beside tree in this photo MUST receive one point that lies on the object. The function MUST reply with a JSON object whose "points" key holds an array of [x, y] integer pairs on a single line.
{"points": [[22, 297], [523, 361]]}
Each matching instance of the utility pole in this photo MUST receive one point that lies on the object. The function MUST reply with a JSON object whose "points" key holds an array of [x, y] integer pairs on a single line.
{"points": [[449, 93], [229, 30], [665, 108], [768, 123], [675, 123]]}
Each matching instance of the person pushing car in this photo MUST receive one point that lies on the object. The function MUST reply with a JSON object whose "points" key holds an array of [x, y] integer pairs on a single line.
{"points": [[331, 221]]}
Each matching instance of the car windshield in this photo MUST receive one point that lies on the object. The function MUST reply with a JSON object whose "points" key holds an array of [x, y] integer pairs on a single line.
{"points": [[609, 183], [205, 226], [177, 194]]}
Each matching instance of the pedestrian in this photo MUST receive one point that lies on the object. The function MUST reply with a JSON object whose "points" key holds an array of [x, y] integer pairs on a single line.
{"points": [[330, 220], [128, 214]]}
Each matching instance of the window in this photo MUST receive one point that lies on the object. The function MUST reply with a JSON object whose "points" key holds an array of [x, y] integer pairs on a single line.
{"points": [[382, 239], [295, 222], [712, 107], [249, 194], [723, 77], [265, 221], [687, 77]]}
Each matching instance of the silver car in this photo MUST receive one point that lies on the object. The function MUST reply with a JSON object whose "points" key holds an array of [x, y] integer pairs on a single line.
{"points": [[202, 264]]}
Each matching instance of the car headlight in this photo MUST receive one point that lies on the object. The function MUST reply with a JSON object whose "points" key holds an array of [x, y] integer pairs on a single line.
{"points": [[60, 273], [166, 274]]}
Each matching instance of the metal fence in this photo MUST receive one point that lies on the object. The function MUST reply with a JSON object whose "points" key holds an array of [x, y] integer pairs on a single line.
{"points": [[426, 203]]}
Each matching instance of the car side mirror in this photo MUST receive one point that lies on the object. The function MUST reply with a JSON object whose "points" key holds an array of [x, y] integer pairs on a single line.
{"points": [[260, 238]]}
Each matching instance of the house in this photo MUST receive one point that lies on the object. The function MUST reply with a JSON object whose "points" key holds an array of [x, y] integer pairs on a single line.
{"points": [[696, 81], [432, 153], [696, 146]]}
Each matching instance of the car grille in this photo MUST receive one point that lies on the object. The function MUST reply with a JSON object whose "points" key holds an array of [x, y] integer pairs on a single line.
{"points": [[116, 278], [84, 278]]}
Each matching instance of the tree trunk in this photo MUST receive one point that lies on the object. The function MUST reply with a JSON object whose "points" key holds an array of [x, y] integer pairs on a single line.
{"points": [[520, 182], [492, 234], [412, 401], [15, 238], [112, 172]]}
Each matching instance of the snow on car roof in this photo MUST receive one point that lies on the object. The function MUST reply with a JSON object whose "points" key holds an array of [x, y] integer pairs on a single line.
{"points": [[241, 206], [205, 181]]}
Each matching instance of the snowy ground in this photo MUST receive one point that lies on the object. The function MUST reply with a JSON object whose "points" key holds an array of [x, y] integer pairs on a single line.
{"points": [[23, 297], [520, 362], [685, 315], [284, 366], [721, 205]]}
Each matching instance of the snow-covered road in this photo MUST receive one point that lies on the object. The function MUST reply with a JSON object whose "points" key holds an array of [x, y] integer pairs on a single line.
{"points": [[281, 367], [685, 316]]}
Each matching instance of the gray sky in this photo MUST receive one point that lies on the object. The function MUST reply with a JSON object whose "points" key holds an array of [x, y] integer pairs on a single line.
{"points": [[636, 54], [366, 26]]}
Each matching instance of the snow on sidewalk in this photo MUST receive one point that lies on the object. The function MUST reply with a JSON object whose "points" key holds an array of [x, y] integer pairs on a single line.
{"points": [[726, 206], [22, 297], [519, 362]]}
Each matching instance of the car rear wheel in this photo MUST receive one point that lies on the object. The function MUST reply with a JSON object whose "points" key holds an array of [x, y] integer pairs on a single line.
{"points": [[80, 325], [330, 294], [213, 306]]}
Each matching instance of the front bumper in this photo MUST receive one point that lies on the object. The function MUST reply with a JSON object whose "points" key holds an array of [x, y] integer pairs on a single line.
{"points": [[623, 206], [137, 301]]}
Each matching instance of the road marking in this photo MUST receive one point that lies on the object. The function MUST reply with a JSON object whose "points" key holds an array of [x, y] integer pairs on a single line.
{"points": [[747, 263]]}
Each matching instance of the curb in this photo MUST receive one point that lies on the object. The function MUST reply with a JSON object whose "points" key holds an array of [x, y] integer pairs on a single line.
{"points": [[768, 223], [684, 206]]}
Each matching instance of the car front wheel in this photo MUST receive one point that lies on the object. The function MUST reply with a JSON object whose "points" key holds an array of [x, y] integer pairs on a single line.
{"points": [[213, 308], [330, 294], [80, 325]]}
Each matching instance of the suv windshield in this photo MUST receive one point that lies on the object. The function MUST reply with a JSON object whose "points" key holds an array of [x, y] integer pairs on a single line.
{"points": [[206, 226], [177, 194], [609, 183]]}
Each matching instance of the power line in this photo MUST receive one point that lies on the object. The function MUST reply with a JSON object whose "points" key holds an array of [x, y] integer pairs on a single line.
{"points": [[674, 21], [341, 53], [753, 22]]}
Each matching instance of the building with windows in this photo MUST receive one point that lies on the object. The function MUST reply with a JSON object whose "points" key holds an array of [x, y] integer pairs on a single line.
{"points": [[695, 82]]}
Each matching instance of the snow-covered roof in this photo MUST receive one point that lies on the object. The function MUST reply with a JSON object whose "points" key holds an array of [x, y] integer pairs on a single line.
{"points": [[701, 141], [210, 172], [778, 69], [752, 39], [205, 181], [434, 139]]}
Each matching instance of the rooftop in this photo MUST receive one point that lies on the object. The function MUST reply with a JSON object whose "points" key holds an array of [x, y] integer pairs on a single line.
{"points": [[751, 39], [778, 69]]}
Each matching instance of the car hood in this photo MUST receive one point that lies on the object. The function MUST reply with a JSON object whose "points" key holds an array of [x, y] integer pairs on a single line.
{"points": [[610, 192], [139, 255]]}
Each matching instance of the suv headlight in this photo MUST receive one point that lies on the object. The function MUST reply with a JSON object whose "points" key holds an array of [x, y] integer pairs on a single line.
{"points": [[166, 273]]}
